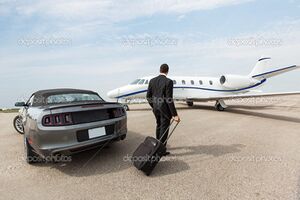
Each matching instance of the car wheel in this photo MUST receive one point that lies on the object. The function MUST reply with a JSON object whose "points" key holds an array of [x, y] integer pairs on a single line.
{"points": [[18, 125], [30, 156], [123, 137]]}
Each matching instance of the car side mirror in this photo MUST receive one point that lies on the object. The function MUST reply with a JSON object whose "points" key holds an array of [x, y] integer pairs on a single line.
{"points": [[20, 104]]}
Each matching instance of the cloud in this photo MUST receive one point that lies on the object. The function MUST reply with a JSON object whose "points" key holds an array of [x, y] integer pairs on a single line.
{"points": [[97, 59], [118, 59], [180, 17], [81, 19], [113, 10]]}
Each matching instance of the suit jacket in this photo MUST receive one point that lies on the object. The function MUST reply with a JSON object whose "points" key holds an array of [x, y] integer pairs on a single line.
{"points": [[160, 95]]}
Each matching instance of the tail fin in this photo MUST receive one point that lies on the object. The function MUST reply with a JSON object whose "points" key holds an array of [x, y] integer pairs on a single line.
{"points": [[263, 69]]}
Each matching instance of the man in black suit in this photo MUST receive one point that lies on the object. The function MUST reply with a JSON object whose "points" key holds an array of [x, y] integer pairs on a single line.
{"points": [[160, 98]]}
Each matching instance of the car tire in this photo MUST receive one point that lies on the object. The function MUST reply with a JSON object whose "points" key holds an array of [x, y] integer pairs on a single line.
{"points": [[123, 137], [18, 125], [30, 156]]}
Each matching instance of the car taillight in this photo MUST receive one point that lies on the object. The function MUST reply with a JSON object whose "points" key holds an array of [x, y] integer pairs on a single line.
{"points": [[68, 118], [57, 119], [47, 120], [61, 119], [118, 112]]}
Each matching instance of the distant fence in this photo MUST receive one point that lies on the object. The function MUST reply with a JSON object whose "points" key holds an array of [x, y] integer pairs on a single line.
{"points": [[13, 110]]}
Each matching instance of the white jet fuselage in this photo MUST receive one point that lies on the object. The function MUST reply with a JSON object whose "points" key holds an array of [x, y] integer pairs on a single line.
{"points": [[200, 89], [186, 87]]}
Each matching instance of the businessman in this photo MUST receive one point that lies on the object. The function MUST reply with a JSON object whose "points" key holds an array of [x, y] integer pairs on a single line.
{"points": [[160, 98]]}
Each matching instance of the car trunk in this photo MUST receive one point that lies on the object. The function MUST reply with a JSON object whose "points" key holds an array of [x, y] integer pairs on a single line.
{"points": [[89, 112]]}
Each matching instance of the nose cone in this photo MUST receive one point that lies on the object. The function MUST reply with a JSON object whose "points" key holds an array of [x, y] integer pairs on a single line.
{"points": [[113, 93]]}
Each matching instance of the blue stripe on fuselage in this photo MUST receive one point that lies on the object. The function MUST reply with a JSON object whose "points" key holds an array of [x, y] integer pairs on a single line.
{"points": [[199, 88]]}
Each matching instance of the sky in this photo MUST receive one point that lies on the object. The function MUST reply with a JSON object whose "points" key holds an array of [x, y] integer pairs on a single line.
{"points": [[101, 45]]}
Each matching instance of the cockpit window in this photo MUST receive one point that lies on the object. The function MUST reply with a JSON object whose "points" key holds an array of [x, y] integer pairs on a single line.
{"points": [[135, 82], [141, 82], [146, 82]]}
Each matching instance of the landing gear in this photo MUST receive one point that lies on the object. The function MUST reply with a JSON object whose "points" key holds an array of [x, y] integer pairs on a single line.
{"points": [[190, 103], [220, 105], [126, 107]]}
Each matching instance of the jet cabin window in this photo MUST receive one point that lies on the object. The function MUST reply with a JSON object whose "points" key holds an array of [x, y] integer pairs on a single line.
{"points": [[183, 82], [135, 82], [141, 82], [192, 82], [210, 82], [174, 82], [201, 82]]}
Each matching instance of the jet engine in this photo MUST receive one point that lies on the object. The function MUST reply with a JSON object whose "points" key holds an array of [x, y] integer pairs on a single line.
{"points": [[236, 81]]}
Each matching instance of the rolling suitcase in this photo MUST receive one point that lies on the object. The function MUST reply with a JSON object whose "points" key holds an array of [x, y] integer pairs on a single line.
{"points": [[149, 153]]}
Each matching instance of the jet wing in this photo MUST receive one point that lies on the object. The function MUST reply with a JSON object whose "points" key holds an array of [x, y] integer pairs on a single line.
{"points": [[242, 96]]}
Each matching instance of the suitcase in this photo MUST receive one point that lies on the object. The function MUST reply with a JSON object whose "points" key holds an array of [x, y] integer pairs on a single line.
{"points": [[149, 153]]}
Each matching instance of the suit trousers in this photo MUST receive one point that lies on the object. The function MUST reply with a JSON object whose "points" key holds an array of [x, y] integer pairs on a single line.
{"points": [[162, 125]]}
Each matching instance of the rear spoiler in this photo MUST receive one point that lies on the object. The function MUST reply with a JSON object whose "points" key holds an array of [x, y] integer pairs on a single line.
{"points": [[89, 104]]}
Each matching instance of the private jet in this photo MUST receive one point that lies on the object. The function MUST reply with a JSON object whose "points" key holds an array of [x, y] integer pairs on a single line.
{"points": [[203, 89]]}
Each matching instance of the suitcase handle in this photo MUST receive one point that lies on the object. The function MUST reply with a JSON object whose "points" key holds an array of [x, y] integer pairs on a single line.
{"points": [[170, 132]]}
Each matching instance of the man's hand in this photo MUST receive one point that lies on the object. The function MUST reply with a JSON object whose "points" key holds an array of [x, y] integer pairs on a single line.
{"points": [[176, 119]]}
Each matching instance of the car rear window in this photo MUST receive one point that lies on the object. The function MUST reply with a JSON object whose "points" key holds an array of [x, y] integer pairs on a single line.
{"points": [[72, 97]]}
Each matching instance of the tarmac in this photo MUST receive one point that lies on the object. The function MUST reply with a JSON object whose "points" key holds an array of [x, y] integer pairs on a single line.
{"points": [[250, 151]]}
